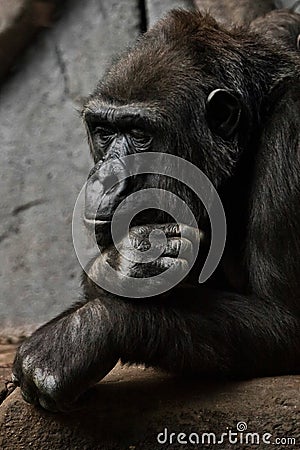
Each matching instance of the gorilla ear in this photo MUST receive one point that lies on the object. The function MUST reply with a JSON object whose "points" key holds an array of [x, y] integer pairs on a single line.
{"points": [[223, 112]]}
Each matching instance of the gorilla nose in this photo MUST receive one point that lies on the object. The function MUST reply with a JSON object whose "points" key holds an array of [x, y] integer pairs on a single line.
{"points": [[105, 189]]}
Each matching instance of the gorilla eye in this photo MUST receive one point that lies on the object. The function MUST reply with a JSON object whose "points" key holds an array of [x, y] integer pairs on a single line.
{"points": [[139, 138], [103, 135]]}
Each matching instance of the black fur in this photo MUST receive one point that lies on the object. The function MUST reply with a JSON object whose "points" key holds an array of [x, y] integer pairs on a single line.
{"points": [[281, 27], [245, 321]]}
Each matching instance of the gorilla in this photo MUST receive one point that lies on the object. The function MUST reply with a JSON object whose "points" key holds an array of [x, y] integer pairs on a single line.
{"points": [[226, 100], [280, 25]]}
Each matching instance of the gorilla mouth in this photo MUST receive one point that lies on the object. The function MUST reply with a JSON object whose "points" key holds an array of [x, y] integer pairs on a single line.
{"points": [[101, 231], [101, 228], [94, 222]]}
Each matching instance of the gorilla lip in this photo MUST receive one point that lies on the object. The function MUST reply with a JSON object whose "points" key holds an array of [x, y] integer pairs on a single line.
{"points": [[95, 221]]}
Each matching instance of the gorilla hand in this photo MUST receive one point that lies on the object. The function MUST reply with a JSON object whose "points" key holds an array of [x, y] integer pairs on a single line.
{"points": [[147, 251], [62, 359]]}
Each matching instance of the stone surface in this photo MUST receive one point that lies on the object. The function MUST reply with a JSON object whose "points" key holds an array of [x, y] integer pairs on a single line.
{"points": [[235, 11], [19, 21], [45, 158], [155, 9], [6, 357], [293, 4], [10, 11], [7, 352], [15, 31], [131, 406]]}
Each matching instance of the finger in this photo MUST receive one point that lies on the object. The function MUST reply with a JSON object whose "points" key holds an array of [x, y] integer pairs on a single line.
{"points": [[180, 247], [169, 229], [160, 265]]}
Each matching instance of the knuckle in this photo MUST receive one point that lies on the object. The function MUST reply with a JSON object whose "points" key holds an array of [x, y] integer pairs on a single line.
{"points": [[29, 371], [174, 264], [173, 229], [46, 382], [27, 364]]}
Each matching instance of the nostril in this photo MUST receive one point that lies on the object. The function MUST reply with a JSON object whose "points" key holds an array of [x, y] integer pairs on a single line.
{"points": [[105, 189]]}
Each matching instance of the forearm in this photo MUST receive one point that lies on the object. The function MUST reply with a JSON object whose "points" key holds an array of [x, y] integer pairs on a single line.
{"points": [[199, 330], [206, 333]]}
